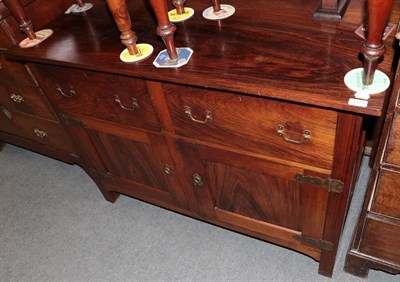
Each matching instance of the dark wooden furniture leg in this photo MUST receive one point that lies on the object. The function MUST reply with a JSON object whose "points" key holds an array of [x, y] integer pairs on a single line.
{"points": [[80, 3], [332, 9], [18, 12], [216, 5], [165, 28], [121, 16], [179, 6], [373, 48]]}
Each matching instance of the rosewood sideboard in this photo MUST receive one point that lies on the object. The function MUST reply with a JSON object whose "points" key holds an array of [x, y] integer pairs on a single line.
{"points": [[257, 133]]}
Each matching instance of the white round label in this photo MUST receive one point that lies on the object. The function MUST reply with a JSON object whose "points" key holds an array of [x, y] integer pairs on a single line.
{"points": [[353, 80]]}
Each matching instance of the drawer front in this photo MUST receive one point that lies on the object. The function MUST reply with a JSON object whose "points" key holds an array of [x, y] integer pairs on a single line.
{"points": [[393, 147], [15, 71], [382, 240], [259, 125], [119, 99], [42, 131], [24, 98], [387, 194]]}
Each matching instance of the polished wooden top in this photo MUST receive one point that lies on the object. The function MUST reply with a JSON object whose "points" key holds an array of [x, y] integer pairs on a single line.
{"points": [[268, 48]]}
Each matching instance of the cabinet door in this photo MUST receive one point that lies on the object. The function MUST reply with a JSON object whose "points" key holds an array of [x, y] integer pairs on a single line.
{"points": [[129, 162], [256, 196]]}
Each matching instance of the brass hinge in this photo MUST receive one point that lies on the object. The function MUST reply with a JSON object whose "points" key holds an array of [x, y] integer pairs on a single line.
{"points": [[332, 185], [101, 175], [71, 121], [321, 244]]}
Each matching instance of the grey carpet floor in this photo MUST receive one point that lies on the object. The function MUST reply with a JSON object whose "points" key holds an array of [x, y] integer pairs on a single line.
{"points": [[56, 226]]}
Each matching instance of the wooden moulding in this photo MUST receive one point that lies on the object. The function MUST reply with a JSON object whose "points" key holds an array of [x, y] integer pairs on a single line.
{"points": [[332, 9]]}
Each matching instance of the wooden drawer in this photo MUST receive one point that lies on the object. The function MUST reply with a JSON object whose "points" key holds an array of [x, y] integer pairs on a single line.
{"points": [[387, 194], [15, 71], [42, 131], [382, 240], [393, 147], [24, 98], [118, 99], [260, 125]]}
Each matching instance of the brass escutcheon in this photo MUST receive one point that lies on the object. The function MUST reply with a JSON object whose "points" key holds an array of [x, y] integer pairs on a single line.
{"points": [[197, 180], [306, 136], [168, 170]]}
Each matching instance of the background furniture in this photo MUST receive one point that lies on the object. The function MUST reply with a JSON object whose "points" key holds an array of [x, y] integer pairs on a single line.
{"points": [[255, 134], [376, 241], [27, 119]]}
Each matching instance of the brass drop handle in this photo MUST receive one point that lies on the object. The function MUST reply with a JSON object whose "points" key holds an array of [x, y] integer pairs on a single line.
{"points": [[207, 119], [306, 136], [168, 170], [17, 98], [197, 180], [6, 112], [40, 133], [135, 104], [72, 92]]}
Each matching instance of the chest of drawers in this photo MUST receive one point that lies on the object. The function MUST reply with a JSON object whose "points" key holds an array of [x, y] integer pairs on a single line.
{"points": [[254, 143], [376, 241]]}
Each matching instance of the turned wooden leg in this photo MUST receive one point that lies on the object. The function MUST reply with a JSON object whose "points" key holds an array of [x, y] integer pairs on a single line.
{"points": [[80, 3], [216, 5], [165, 28], [18, 12], [374, 48], [179, 6], [121, 16]]}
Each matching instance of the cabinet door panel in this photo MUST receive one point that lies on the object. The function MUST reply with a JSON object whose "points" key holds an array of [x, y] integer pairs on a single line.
{"points": [[130, 159], [255, 194], [139, 167]]}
